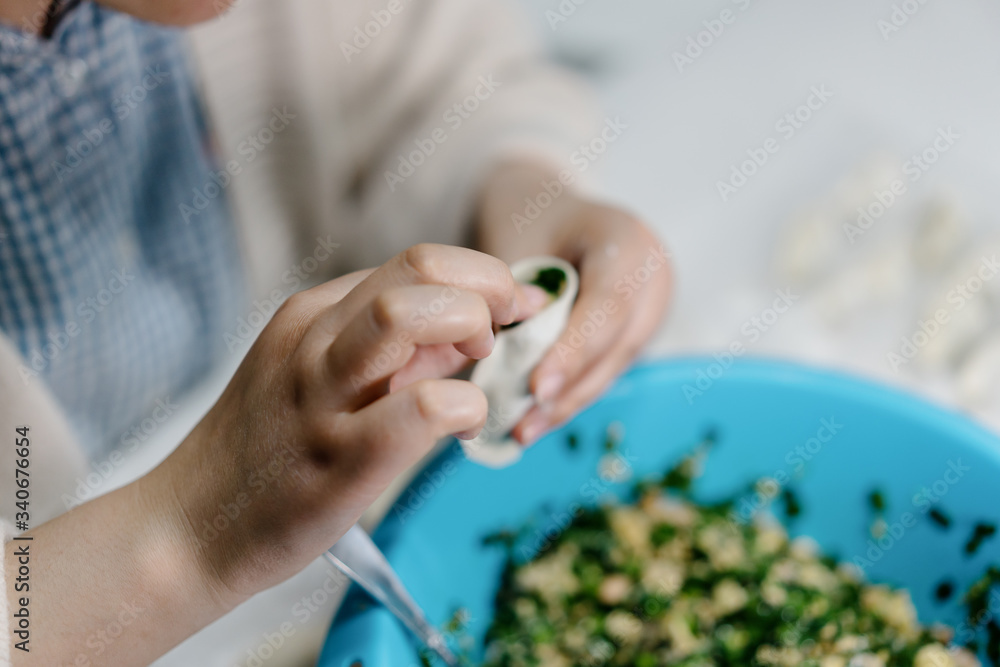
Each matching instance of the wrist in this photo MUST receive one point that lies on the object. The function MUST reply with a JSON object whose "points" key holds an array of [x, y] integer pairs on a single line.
{"points": [[169, 503], [524, 209], [119, 559]]}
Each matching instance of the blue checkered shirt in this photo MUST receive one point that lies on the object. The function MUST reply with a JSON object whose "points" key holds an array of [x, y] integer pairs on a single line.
{"points": [[112, 298]]}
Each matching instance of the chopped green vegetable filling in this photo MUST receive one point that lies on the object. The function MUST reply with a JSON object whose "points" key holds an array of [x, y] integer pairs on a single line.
{"points": [[667, 581], [940, 518], [792, 506], [877, 501], [551, 280], [944, 591], [663, 580], [980, 534]]}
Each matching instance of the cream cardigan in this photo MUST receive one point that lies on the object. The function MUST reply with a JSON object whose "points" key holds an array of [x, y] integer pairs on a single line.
{"points": [[389, 114]]}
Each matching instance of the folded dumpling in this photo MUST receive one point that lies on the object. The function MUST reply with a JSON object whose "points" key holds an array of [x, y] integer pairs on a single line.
{"points": [[503, 376]]}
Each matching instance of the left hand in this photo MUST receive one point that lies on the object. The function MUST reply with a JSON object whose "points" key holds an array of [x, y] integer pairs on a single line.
{"points": [[625, 285]]}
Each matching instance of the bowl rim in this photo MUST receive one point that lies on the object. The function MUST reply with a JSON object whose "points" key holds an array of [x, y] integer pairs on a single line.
{"points": [[752, 369], [774, 370]]}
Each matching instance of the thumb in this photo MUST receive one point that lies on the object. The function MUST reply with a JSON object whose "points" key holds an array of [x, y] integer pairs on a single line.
{"points": [[530, 300]]}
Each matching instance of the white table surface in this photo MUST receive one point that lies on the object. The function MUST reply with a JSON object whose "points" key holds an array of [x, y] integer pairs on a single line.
{"points": [[685, 131]]}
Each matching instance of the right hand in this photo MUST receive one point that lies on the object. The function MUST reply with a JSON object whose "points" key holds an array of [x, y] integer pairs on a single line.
{"points": [[342, 392]]}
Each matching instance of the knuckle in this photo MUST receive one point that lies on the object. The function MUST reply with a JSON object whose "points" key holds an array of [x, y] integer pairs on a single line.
{"points": [[480, 407], [506, 291], [424, 262], [504, 277], [479, 307], [325, 448], [295, 306], [428, 401], [388, 310], [315, 429], [285, 332], [507, 282]]}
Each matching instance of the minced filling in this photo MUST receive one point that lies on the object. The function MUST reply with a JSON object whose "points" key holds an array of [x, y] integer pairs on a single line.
{"points": [[667, 581]]}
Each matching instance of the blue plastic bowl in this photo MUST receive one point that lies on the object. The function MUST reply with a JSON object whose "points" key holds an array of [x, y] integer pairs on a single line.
{"points": [[836, 438]]}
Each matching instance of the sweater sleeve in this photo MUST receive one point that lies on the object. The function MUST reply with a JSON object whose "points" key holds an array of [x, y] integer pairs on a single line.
{"points": [[387, 114], [438, 101]]}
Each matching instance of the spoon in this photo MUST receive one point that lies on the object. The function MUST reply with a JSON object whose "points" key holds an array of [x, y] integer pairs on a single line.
{"points": [[357, 556]]}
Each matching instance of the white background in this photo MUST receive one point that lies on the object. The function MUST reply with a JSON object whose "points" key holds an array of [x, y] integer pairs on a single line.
{"points": [[687, 129]]}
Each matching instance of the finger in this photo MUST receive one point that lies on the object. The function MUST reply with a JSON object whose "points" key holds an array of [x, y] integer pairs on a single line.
{"points": [[467, 270], [544, 417], [613, 291], [597, 320], [595, 323], [384, 336], [333, 291], [431, 361], [597, 377], [399, 429]]}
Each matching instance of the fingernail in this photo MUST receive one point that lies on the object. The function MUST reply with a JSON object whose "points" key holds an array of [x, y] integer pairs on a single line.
{"points": [[535, 298], [549, 387], [493, 342], [534, 426], [469, 435]]}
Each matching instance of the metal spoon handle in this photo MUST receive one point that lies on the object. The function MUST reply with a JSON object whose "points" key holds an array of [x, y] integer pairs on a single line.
{"points": [[360, 559]]}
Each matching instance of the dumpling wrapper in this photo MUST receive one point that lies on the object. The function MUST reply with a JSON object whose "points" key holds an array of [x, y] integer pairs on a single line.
{"points": [[503, 376]]}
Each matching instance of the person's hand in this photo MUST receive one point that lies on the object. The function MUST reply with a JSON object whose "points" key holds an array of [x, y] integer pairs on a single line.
{"points": [[625, 284], [342, 392]]}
